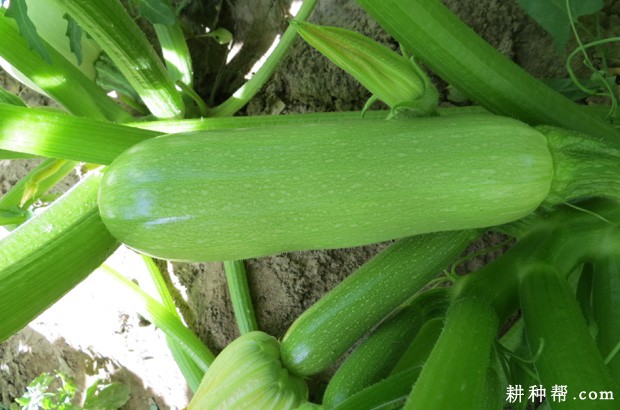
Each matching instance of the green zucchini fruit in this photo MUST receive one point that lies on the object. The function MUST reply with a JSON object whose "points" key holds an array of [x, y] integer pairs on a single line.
{"points": [[374, 359], [223, 195], [558, 335], [330, 327], [606, 307], [454, 374]]}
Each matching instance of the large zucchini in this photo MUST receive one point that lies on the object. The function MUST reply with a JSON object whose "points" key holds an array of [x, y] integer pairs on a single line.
{"points": [[221, 195]]}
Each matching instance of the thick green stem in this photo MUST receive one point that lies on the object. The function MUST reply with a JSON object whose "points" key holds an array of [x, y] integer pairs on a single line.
{"points": [[253, 86], [192, 371], [240, 296], [117, 34], [168, 322], [583, 167], [61, 81], [175, 52], [451, 49], [454, 375], [53, 134], [4, 154], [47, 256]]}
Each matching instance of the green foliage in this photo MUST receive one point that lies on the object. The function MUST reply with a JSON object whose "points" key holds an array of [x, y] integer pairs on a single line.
{"points": [[18, 10], [220, 35], [569, 89], [106, 396], [74, 33], [553, 15], [157, 11], [8, 98], [110, 78], [58, 392]]}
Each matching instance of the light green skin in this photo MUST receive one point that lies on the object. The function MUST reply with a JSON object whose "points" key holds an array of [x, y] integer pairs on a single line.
{"points": [[247, 193], [248, 374]]}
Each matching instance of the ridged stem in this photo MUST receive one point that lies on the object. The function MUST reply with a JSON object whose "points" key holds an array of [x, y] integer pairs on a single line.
{"points": [[192, 371], [123, 41], [168, 322], [175, 52], [43, 132], [47, 256], [61, 81], [240, 296]]}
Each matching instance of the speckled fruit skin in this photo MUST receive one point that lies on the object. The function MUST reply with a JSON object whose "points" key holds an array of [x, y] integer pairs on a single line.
{"points": [[235, 194]]}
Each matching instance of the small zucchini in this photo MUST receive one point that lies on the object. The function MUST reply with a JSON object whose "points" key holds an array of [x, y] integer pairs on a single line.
{"points": [[374, 359], [606, 306], [558, 335], [223, 195], [454, 375], [335, 322]]}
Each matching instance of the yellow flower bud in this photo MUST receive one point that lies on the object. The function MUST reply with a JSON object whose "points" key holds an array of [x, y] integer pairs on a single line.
{"points": [[248, 374], [391, 77]]}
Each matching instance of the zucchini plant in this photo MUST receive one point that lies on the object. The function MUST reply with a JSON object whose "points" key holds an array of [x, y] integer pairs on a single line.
{"points": [[175, 178]]}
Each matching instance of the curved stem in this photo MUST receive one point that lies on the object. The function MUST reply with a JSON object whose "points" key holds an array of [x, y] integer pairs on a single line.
{"points": [[169, 323], [191, 370], [581, 48], [249, 89]]}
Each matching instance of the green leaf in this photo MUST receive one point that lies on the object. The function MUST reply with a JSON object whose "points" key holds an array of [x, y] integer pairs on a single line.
{"points": [[106, 396], [110, 78], [18, 10], [569, 89], [221, 35], [552, 15], [8, 98], [36, 392], [157, 11], [74, 32]]}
